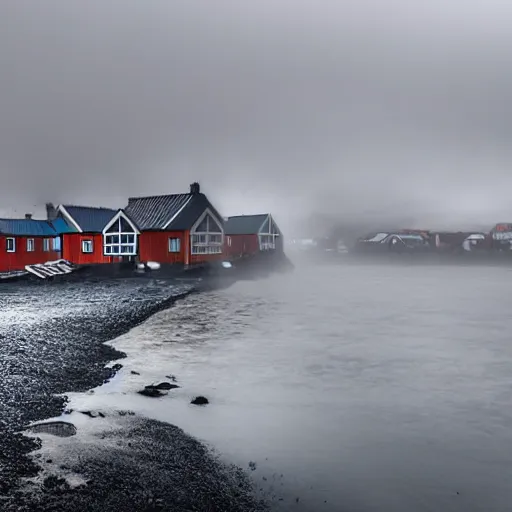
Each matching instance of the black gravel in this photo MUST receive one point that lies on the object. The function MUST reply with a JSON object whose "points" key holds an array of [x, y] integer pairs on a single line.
{"points": [[52, 341], [154, 466]]}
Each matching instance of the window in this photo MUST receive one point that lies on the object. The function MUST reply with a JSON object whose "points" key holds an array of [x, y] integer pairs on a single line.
{"points": [[87, 246], [120, 239], [229, 241], [30, 245], [46, 244], [10, 244], [268, 234], [207, 237], [56, 244], [174, 245]]}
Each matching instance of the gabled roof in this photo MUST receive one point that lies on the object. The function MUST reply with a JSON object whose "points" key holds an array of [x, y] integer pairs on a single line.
{"points": [[245, 224], [90, 219], [33, 227], [174, 212]]}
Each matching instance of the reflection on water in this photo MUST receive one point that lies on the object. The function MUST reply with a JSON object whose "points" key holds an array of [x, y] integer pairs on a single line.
{"points": [[352, 388]]}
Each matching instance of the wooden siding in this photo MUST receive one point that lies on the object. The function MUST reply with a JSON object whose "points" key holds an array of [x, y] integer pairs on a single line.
{"points": [[246, 245], [203, 258], [21, 257], [154, 246], [72, 249], [241, 245]]}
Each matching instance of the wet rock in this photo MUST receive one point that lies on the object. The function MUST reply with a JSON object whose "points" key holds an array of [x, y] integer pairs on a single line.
{"points": [[164, 385], [117, 367], [252, 466], [54, 428], [133, 372], [172, 378], [151, 392], [55, 484], [91, 414], [200, 400]]}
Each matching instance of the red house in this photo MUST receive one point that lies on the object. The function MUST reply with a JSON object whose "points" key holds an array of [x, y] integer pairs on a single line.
{"points": [[178, 228], [28, 242], [97, 235], [249, 234]]}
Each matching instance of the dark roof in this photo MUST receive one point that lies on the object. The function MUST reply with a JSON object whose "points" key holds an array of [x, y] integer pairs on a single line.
{"points": [[33, 227], [244, 224], [91, 219], [153, 212]]}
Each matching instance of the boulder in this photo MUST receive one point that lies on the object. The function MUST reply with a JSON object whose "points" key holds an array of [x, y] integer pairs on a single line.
{"points": [[164, 386], [200, 400], [151, 392], [55, 428]]}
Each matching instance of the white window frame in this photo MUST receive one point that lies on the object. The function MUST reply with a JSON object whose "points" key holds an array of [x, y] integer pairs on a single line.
{"points": [[228, 239], [119, 248], [177, 241], [272, 233], [85, 243], [31, 245], [46, 245], [13, 240], [202, 242]]}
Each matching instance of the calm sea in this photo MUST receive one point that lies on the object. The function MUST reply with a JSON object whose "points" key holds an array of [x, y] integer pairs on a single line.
{"points": [[350, 388]]}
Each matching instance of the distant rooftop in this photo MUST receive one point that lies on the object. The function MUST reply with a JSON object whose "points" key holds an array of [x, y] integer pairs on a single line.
{"points": [[245, 224]]}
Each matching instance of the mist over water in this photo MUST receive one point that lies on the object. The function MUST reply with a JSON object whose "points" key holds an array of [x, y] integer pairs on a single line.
{"points": [[352, 388], [355, 109]]}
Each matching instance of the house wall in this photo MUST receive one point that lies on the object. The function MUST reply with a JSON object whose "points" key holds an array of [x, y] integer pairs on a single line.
{"points": [[17, 260], [154, 246], [72, 249], [247, 245], [203, 258], [280, 243], [241, 245]]}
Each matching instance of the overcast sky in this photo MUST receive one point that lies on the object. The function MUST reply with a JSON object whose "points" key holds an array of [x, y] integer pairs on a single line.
{"points": [[346, 107]]}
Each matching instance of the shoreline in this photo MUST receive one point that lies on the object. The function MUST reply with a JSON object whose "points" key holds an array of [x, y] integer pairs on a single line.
{"points": [[17, 461], [15, 492]]}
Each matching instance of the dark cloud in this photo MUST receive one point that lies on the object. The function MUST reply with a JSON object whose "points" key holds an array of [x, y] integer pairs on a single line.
{"points": [[346, 108]]}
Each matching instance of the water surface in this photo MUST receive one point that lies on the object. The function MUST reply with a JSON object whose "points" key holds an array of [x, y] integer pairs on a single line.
{"points": [[353, 388]]}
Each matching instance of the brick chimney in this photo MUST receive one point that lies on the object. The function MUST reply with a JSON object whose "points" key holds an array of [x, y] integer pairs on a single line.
{"points": [[51, 212], [195, 188]]}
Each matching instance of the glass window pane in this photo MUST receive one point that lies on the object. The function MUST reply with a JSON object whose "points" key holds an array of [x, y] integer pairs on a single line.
{"points": [[125, 226], [213, 227]]}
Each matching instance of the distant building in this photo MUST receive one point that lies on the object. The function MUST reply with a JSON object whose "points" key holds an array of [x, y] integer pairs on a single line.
{"points": [[250, 234], [28, 241], [501, 235]]}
